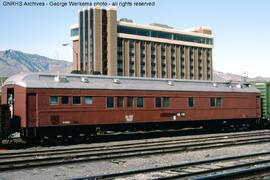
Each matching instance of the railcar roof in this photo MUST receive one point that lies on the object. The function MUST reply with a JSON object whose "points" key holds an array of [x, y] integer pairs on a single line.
{"points": [[75, 81]]}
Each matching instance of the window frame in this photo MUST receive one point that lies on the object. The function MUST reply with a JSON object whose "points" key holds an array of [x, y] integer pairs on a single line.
{"points": [[159, 102], [191, 102], [76, 103], [113, 105], [164, 102], [50, 101], [67, 100], [212, 102], [84, 98], [219, 102], [123, 101], [137, 100], [132, 105]]}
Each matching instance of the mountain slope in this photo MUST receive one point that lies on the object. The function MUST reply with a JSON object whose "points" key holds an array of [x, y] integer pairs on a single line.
{"points": [[221, 76], [12, 62]]}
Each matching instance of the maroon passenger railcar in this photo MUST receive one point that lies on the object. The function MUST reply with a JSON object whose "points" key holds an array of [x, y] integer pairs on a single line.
{"points": [[77, 105]]}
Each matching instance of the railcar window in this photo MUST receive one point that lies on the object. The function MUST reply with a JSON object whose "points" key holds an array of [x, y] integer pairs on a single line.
{"points": [[219, 102], [110, 101], [53, 100], [216, 102], [158, 102], [129, 101], [76, 100], [64, 99], [190, 102], [139, 102], [120, 101], [88, 100], [166, 102], [212, 102]]}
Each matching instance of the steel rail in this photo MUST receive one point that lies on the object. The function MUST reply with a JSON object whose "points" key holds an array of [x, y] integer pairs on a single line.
{"points": [[84, 157], [145, 147], [176, 167], [146, 143]]}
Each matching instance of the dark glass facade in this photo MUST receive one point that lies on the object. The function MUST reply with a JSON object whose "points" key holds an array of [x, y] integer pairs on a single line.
{"points": [[164, 35], [81, 24], [86, 38], [91, 39], [104, 42]]}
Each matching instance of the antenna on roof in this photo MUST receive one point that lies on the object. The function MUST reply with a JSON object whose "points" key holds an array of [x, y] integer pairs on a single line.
{"points": [[229, 83], [244, 79]]}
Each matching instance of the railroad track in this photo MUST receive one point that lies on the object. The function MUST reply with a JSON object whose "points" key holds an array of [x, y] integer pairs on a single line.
{"points": [[219, 168], [36, 152], [30, 159]]}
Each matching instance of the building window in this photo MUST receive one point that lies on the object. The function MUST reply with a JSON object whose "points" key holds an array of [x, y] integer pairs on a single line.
{"points": [[158, 101], [212, 102], [110, 102], [120, 102], [190, 102], [88, 100], [64, 99], [166, 102], [139, 102], [74, 32], [76, 100], [129, 101], [53, 100]]}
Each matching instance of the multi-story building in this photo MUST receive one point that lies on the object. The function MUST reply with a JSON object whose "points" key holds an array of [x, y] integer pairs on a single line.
{"points": [[103, 45]]}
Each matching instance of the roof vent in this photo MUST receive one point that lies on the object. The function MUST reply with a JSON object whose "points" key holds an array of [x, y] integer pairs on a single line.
{"points": [[246, 84], [170, 83], [116, 81], [84, 80], [229, 83], [61, 79], [239, 86]]}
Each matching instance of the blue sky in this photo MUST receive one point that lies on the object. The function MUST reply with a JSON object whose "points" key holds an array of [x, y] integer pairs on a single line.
{"points": [[240, 28]]}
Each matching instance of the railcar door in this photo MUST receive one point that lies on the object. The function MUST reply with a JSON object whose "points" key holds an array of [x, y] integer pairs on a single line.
{"points": [[31, 109]]}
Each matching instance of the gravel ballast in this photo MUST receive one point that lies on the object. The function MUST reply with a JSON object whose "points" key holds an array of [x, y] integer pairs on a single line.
{"points": [[115, 165]]}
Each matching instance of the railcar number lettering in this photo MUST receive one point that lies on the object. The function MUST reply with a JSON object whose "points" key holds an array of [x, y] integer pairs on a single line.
{"points": [[65, 122], [129, 118]]}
